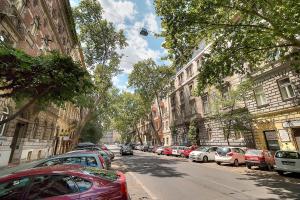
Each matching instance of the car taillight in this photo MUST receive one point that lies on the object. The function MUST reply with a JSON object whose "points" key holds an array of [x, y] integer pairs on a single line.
{"points": [[122, 181], [229, 154]]}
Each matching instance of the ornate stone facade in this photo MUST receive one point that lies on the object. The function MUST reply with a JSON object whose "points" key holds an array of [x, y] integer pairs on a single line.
{"points": [[36, 26]]}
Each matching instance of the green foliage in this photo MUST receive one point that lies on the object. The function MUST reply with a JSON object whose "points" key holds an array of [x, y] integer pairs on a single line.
{"points": [[23, 76], [192, 135], [99, 36], [92, 132], [230, 110], [242, 33], [150, 80]]}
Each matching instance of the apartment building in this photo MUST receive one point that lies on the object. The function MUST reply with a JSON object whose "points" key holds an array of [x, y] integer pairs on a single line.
{"points": [[37, 26], [275, 106], [185, 107]]}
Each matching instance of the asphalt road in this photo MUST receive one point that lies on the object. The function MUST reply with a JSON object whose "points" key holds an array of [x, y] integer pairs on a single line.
{"points": [[168, 178]]}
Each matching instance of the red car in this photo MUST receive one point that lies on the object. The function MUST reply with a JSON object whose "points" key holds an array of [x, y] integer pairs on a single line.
{"points": [[260, 158], [186, 152], [64, 182], [167, 151]]}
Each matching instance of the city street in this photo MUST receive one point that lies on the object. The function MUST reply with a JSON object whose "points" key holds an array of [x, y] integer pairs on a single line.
{"points": [[167, 178]]}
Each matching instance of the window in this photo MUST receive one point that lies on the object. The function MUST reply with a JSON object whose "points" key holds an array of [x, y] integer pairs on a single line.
{"points": [[29, 155], [191, 89], [167, 125], [205, 104], [180, 79], [75, 160], [3, 115], [44, 135], [260, 96], [286, 88], [193, 107], [173, 100], [181, 95], [225, 91], [13, 189], [91, 162], [45, 186], [50, 163], [199, 63], [167, 141], [82, 184], [35, 128], [189, 71]]}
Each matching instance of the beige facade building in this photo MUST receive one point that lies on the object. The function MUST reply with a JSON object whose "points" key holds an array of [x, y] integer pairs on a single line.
{"points": [[37, 26], [275, 106], [184, 106]]}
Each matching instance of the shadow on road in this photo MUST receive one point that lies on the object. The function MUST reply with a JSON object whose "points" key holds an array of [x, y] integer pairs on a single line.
{"points": [[286, 187], [152, 165]]}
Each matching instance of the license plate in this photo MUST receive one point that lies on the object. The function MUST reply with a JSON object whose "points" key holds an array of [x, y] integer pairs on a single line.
{"points": [[288, 163]]}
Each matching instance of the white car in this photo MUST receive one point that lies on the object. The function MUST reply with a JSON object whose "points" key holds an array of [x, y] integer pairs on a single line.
{"points": [[204, 154], [287, 161], [232, 155], [177, 150], [159, 150]]}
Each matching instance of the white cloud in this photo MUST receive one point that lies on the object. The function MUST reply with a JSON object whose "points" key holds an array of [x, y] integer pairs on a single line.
{"points": [[149, 2], [151, 23], [118, 11]]}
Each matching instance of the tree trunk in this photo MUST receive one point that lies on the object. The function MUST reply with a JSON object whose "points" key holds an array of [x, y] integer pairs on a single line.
{"points": [[25, 107], [139, 136]]}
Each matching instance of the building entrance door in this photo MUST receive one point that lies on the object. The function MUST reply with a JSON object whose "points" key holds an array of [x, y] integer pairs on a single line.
{"points": [[297, 137], [16, 142]]}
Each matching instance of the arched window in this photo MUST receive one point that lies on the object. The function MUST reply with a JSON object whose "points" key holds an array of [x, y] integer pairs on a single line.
{"points": [[52, 131], [3, 115], [44, 135], [35, 128]]}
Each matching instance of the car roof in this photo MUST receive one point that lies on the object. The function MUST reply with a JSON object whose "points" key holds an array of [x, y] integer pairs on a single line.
{"points": [[57, 169], [88, 153]]}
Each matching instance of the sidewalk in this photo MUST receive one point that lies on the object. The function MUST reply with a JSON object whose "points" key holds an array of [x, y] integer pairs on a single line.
{"points": [[134, 186]]}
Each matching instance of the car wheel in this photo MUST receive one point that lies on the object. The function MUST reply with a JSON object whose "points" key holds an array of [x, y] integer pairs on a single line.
{"points": [[218, 163], [280, 173], [205, 159], [269, 167], [248, 166], [236, 163]]}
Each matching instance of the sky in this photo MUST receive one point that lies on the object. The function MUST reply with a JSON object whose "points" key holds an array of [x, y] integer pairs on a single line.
{"points": [[131, 16]]}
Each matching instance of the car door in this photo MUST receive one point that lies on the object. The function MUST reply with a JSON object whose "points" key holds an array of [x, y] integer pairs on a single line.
{"points": [[241, 155], [14, 189], [58, 187], [211, 153]]}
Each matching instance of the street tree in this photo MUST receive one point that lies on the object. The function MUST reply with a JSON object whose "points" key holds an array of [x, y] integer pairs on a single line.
{"points": [[230, 110], [151, 82], [192, 133], [41, 80], [100, 42], [129, 109], [243, 34]]}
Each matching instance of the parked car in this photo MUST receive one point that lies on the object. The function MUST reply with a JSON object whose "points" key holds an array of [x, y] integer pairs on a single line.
{"points": [[150, 148], [126, 150], [232, 155], [187, 150], [64, 182], [261, 158], [287, 161], [159, 150], [167, 151], [155, 148], [138, 147], [204, 154], [87, 159], [177, 150], [145, 148], [96, 148], [104, 155]]}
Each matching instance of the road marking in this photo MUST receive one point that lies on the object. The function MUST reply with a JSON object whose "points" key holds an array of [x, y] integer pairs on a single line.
{"points": [[153, 197]]}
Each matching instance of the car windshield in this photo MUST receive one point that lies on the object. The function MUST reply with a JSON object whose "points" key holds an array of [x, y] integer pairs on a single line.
{"points": [[202, 149], [287, 154], [254, 152]]}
